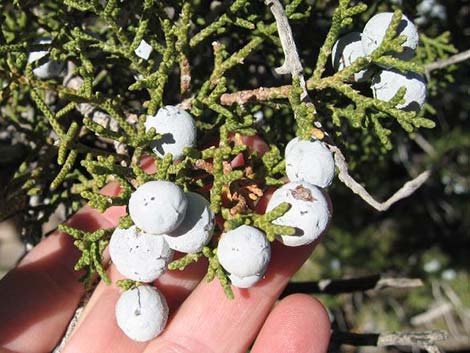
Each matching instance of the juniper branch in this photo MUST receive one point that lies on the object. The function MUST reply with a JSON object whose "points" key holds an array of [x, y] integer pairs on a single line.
{"points": [[454, 59], [405, 191]]}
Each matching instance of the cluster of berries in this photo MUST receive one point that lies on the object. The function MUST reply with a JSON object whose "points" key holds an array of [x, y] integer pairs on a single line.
{"points": [[245, 252], [387, 81], [166, 219]]}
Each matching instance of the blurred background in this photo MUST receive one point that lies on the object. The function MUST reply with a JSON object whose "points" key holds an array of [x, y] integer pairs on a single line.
{"points": [[426, 236]]}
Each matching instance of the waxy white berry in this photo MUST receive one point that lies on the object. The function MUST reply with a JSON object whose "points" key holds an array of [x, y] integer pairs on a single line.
{"points": [[177, 128], [158, 207], [309, 213], [309, 160], [346, 51], [142, 313], [49, 69], [139, 256], [245, 282], [196, 229], [375, 29], [244, 251], [386, 84]]}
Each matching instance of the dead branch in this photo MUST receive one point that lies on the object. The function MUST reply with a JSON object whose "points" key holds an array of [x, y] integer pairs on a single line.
{"points": [[456, 344], [423, 144], [406, 190], [441, 64], [349, 285], [185, 76], [292, 62], [425, 340], [255, 95], [432, 314], [99, 117], [267, 93]]}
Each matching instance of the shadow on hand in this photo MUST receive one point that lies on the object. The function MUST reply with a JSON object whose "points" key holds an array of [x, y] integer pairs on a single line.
{"points": [[39, 297]]}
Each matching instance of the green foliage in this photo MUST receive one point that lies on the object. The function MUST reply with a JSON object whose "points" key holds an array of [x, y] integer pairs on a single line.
{"points": [[126, 284], [200, 54], [92, 246], [181, 263], [272, 230]]}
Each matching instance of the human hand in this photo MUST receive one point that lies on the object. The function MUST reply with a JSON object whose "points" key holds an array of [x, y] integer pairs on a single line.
{"points": [[39, 297]]}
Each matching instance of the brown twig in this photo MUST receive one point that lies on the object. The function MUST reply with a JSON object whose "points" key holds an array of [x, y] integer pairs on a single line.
{"points": [[255, 95], [268, 93], [185, 75]]}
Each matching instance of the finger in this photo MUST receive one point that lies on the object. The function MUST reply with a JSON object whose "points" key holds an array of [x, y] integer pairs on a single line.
{"points": [[38, 298], [6, 351], [99, 314], [208, 322], [298, 324]]}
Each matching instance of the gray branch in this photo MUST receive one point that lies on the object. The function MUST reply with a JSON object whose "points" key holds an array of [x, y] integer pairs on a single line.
{"points": [[425, 340], [455, 59], [456, 344], [349, 285], [406, 190], [292, 62], [99, 117], [432, 314]]}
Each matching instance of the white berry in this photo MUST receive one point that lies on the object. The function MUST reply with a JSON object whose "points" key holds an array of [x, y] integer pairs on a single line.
{"points": [[346, 51], [177, 128], [49, 69], [375, 29], [196, 229], [138, 255], [309, 213], [244, 282], [158, 207], [309, 160], [142, 313], [386, 84], [244, 251]]}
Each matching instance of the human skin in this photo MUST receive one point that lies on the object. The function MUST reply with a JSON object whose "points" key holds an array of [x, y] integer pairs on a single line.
{"points": [[39, 297]]}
